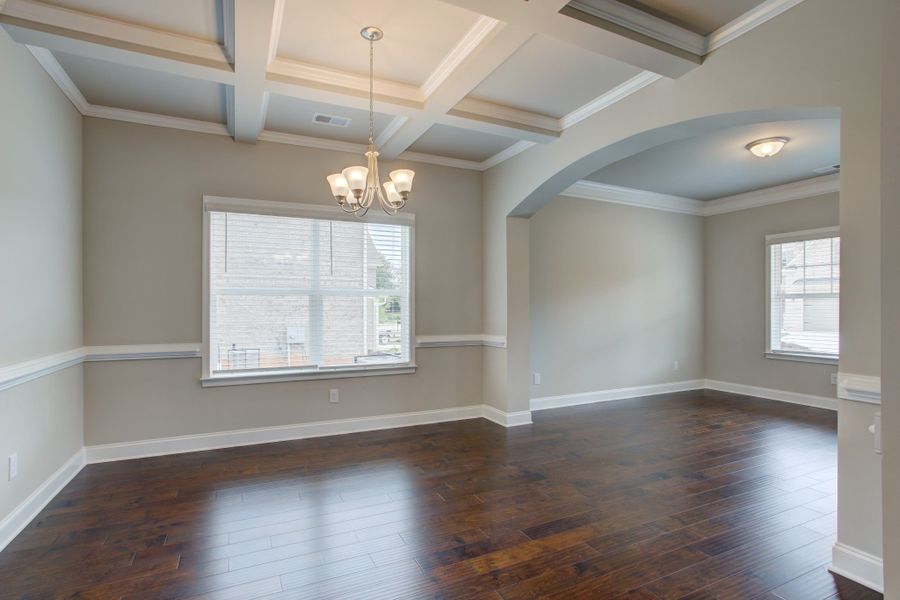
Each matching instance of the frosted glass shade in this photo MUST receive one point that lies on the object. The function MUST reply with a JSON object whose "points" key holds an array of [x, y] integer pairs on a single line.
{"points": [[340, 188], [356, 178], [393, 196], [402, 180]]}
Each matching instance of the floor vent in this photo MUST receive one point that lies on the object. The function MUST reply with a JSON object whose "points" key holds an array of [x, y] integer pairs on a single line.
{"points": [[323, 119]]}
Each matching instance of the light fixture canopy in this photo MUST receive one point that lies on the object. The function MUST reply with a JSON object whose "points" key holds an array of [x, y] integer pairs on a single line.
{"points": [[356, 188], [767, 147]]}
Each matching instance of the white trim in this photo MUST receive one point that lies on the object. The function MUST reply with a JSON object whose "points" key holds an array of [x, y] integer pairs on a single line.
{"points": [[748, 21], [802, 235], [854, 564], [141, 352], [820, 359], [770, 394], [475, 339], [46, 59], [807, 188], [154, 120], [545, 125], [463, 49], [281, 376], [513, 419], [602, 192], [859, 388], [620, 92], [13, 523], [305, 141], [444, 161], [19, 373], [549, 402], [266, 435], [517, 148], [296, 209], [388, 132], [644, 23]]}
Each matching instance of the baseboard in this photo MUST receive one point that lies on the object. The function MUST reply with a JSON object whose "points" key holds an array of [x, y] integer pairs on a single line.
{"points": [[13, 523], [770, 394], [863, 568], [513, 419], [548, 402], [264, 435]]}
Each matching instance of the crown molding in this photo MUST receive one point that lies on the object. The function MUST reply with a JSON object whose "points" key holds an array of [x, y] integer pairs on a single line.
{"points": [[142, 118], [807, 188], [443, 161], [507, 114], [517, 148], [49, 63], [389, 131], [747, 22], [466, 46], [619, 92], [593, 190], [643, 23]]}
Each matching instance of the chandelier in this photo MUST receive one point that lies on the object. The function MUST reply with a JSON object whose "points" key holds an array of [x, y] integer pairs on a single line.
{"points": [[356, 188]]}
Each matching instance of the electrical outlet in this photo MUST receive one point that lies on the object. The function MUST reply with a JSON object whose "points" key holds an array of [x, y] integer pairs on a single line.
{"points": [[334, 396], [13, 465], [834, 379], [536, 378], [675, 366]]}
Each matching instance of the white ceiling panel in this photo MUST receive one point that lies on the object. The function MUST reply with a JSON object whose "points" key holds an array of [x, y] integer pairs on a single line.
{"points": [[699, 16], [464, 144], [291, 115], [552, 78], [109, 84], [196, 18], [417, 35], [718, 164]]}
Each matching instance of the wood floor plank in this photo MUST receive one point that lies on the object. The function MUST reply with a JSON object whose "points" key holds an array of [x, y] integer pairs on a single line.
{"points": [[701, 495]]}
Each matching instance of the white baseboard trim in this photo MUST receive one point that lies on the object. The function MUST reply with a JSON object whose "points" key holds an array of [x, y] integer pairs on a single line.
{"points": [[513, 419], [264, 435], [863, 568], [859, 388], [13, 523], [547, 402], [770, 394]]}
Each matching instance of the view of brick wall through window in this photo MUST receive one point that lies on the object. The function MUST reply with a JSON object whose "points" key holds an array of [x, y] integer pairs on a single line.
{"points": [[288, 292]]}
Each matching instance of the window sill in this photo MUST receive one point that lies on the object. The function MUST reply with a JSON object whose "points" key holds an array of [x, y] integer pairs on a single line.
{"points": [[282, 376], [807, 358]]}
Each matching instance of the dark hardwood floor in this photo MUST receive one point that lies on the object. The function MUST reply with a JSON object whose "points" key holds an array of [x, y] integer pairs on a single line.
{"points": [[695, 495]]}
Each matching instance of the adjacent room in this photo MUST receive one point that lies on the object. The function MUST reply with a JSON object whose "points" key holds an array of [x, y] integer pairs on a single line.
{"points": [[481, 299]]}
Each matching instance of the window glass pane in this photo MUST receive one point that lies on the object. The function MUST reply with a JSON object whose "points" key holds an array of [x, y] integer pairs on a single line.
{"points": [[804, 303], [288, 292]]}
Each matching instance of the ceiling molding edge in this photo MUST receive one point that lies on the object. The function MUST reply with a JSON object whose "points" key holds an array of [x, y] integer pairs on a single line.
{"points": [[806, 188], [644, 23], [620, 92], [747, 22], [59, 76], [444, 161], [460, 52], [503, 155], [602, 192]]}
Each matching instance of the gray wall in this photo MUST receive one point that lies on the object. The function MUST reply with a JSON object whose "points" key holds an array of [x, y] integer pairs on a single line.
{"points": [[616, 296], [142, 278], [40, 241], [735, 320]]}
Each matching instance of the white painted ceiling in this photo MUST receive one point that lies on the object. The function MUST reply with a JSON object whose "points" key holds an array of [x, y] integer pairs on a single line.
{"points": [[718, 164], [417, 35], [109, 84], [460, 143], [293, 115], [196, 18], [561, 77], [699, 16]]}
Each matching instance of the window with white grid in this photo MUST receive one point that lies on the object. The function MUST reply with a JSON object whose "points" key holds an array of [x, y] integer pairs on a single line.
{"points": [[804, 294]]}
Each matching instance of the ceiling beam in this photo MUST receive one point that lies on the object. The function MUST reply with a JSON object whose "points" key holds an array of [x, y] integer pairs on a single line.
{"points": [[48, 26], [257, 24], [544, 17]]}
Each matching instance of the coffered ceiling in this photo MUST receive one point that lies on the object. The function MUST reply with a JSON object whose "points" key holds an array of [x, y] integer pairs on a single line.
{"points": [[465, 83]]}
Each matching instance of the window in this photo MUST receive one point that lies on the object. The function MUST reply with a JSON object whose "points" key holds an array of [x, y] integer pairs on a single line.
{"points": [[804, 295], [296, 292]]}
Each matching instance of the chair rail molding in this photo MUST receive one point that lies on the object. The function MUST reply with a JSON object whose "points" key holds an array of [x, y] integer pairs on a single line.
{"points": [[859, 388]]}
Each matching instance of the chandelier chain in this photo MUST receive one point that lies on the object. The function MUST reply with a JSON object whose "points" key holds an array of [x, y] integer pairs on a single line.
{"points": [[371, 92]]}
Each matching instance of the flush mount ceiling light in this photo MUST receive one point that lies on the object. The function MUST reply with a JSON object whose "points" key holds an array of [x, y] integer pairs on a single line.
{"points": [[356, 188], [767, 147]]}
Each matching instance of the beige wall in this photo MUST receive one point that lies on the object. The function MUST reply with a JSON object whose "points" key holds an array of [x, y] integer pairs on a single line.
{"points": [[143, 193], [735, 325], [616, 296], [890, 306], [40, 241]]}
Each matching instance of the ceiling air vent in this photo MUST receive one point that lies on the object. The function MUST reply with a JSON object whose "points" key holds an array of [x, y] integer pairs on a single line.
{"points": [[827, 170], [334, 121]]}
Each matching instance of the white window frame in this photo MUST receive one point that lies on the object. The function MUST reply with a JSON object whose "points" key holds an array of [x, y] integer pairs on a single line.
{"points": [[309, 211], [783, 238]]}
